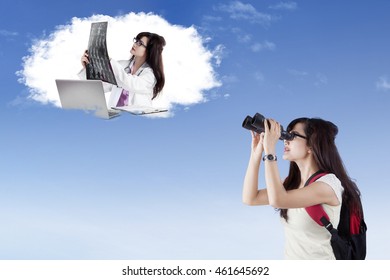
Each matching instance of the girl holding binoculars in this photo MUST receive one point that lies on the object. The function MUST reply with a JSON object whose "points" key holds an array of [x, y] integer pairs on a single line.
{"points": [[312, 148]]}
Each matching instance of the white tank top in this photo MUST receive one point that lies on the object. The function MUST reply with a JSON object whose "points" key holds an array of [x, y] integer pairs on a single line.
{"points": [[304, 238]]}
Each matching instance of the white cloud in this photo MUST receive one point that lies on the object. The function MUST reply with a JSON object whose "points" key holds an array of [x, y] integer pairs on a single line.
{"points": [[298, 73], [321, 79], [230, 79], [218, 54], [257, 47], [259, 76], [285, 6], [242, 37], [209, 18], [318, 79], [240, 11], [383, 84], [7, 33], [187, 63]]}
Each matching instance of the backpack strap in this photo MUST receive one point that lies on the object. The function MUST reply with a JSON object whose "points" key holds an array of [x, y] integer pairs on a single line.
{"points": [[317, 212]]}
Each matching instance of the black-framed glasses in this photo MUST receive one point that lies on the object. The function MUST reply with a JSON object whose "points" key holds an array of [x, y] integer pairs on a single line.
{"points": [[139, 42], [294, 134]]}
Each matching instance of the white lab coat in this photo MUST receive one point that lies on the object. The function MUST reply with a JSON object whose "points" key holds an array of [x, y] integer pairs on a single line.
{"points": [[140, 85]]}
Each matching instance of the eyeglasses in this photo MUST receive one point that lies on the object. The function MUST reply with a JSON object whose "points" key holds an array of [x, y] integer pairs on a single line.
{"points": [[138, 42], [291, 136], [294, 134]]}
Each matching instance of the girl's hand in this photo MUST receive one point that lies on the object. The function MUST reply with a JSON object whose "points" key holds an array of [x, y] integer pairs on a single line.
{"points": [[84, 59], [257, 144], [271, 136]]}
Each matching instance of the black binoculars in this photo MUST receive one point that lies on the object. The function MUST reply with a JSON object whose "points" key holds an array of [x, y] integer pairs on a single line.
{"points": [[256, 124]]}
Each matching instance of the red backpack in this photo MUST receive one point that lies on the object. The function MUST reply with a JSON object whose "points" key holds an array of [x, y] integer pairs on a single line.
{"points": [[349, 239]]}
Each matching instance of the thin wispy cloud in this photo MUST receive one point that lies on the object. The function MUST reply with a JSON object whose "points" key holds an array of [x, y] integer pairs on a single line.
{"points": [[7, 33], [259, 76], [210, 18], [229, 79], [290, 6], [383, 83], [189, 70], [320, 79], [219, 53], [257, 47], [246, 38], [242, 37], [241, 11], [298, 73]]}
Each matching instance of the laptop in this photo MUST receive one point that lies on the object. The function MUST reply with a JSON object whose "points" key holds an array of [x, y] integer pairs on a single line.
{"points": [[87, 95]]}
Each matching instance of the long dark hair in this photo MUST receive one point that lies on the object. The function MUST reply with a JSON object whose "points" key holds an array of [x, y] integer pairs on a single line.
{"points": [[154, 50], [321, 136]]}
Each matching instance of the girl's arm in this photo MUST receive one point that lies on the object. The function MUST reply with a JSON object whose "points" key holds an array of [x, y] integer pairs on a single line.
{"points": [[250, 194]]}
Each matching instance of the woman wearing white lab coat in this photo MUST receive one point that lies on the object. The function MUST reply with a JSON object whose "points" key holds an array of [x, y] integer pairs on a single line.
{"points": [[139, 79]]}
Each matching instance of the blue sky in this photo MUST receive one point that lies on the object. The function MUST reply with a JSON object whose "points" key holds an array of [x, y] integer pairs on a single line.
{"points": [[77, 187]]}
